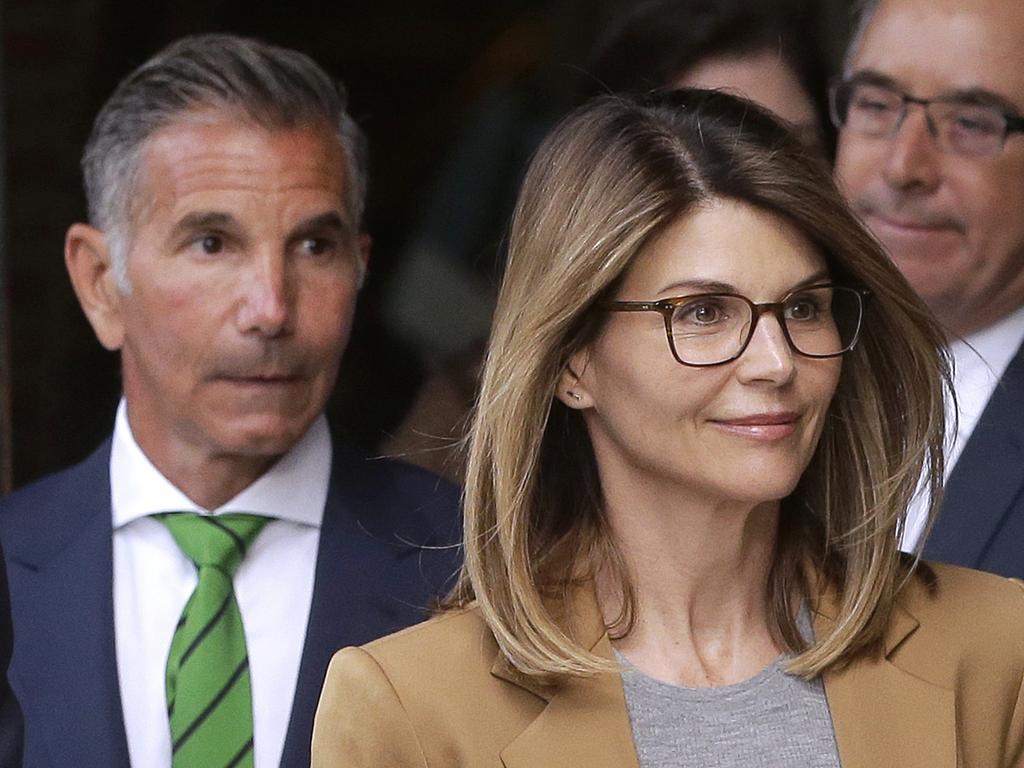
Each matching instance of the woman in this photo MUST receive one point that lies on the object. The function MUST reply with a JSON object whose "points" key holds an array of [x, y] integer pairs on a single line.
{"points": [[707, 401]]}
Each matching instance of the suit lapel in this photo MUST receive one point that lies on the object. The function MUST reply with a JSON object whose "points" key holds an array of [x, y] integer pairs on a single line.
{"points": [[366, 584], [880, 712], [585, 721], [64, 661], [987, 477], [332, 614]]}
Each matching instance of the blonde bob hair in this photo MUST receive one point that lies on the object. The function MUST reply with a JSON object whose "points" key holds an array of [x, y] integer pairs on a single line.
{"points": [[609, 178]]}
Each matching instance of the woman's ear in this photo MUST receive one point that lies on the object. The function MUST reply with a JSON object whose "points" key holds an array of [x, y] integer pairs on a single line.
{"points": [[571, 389]]}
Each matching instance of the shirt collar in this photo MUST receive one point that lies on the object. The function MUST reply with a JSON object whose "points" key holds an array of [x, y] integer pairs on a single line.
{"points": [[988, 352], [139, 489]]}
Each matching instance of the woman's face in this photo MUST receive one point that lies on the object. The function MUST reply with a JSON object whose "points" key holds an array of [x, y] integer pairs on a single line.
{"points": [[743, 431]]}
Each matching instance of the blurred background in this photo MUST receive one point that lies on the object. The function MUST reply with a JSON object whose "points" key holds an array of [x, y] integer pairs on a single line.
{"points": [[454, 97]]}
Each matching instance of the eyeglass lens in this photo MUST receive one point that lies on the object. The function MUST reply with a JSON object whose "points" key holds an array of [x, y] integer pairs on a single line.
{"points": [[713, 328], [959, 127]]}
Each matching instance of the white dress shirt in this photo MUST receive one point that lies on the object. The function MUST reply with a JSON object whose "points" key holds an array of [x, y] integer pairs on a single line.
{"points": [[153, 580], [979, 360]]}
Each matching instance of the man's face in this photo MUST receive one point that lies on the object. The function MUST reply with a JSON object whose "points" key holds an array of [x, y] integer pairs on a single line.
{"points": [[243, 268], [953, 224]]}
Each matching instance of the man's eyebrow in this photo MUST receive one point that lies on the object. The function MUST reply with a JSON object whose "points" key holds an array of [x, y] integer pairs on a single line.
{"points": [[873, 77], [202, 220], [982, 97], [329, 220], [975, 95]]}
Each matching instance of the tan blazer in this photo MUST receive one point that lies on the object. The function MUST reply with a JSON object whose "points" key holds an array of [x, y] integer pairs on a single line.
{"points": [[947, 693]]}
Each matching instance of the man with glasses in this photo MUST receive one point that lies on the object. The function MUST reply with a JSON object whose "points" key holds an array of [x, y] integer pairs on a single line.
{"points": [[931, 154]]}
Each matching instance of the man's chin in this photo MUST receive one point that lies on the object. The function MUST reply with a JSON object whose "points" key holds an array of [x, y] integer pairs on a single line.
{"points": [[264, 436]]}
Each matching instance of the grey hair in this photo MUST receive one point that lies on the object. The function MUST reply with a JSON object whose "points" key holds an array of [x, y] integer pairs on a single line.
{"points": [[275, 88], [862, 12]]}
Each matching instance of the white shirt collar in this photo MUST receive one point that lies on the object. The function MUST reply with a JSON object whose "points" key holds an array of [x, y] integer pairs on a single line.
{"points": [[293, 489], [992, 347]]}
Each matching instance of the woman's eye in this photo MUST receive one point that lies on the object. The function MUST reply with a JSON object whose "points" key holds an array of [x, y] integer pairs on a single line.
{"points": [[802, 310], [700, 314], [705, 314]]}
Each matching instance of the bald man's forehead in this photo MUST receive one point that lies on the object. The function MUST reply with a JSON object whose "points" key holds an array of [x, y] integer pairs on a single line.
{"points": [[935, 47]]}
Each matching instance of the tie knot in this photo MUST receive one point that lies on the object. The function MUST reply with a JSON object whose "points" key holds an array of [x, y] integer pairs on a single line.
{"points": [[219, 541]]}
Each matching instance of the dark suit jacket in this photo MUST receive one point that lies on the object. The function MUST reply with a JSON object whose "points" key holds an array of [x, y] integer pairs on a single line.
{"points": [[981, 524], [11, 731], [372, 577]]}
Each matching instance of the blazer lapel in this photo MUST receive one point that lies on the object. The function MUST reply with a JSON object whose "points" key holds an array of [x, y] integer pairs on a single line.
{"points": [[879, 711], [64, 662], [987, 477], [585, 721]]}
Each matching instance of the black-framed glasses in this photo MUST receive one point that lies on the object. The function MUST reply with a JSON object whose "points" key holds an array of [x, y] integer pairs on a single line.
{"points": [[959, 126], [705, 329]]}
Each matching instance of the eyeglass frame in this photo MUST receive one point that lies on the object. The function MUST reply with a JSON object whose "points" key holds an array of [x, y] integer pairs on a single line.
{"points": [[666, 308], [1013, 123]]}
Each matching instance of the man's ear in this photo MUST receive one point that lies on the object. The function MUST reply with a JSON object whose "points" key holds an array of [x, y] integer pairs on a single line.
{"points": [[571, 389], [87, 256], [363, 242]]}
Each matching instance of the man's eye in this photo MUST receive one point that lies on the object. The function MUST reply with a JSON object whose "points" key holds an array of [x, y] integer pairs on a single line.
{"points": [[979, 121], [868, 104], [317, 246], [212, 244]]}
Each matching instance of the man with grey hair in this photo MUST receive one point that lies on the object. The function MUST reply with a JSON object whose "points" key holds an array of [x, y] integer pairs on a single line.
{"points": [[178, 595], [931, 154]]}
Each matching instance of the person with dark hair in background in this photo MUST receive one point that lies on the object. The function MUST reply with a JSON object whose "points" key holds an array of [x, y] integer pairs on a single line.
{"points": [[752, 48], [707, 400], [743, 46], [177, 595], [930, 109]]}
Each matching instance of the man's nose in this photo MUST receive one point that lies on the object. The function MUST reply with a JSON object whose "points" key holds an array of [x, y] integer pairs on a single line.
{"points": [[266, 301], [912, 162], [769, 356]]}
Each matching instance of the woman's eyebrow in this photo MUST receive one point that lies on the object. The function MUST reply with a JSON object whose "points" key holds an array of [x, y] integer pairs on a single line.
{"points": [[817, 277], [717, 286], [699, 286]]}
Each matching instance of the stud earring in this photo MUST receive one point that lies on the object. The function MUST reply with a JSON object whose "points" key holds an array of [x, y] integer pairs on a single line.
{"points": [[574, 395]]}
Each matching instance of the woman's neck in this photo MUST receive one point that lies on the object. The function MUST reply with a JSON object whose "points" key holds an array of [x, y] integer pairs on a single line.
{"points": [[699, 570]]}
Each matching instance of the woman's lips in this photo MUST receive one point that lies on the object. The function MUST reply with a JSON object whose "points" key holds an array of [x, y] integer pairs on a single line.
{"points": [[765, 427]]}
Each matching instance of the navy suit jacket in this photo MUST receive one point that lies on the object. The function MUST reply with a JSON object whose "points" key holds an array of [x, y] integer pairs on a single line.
{"points": [[10, 712], [382, 558], [981, 523]]}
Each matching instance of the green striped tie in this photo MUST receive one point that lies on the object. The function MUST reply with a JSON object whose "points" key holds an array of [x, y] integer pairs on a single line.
{"points": [[209, 699]]}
